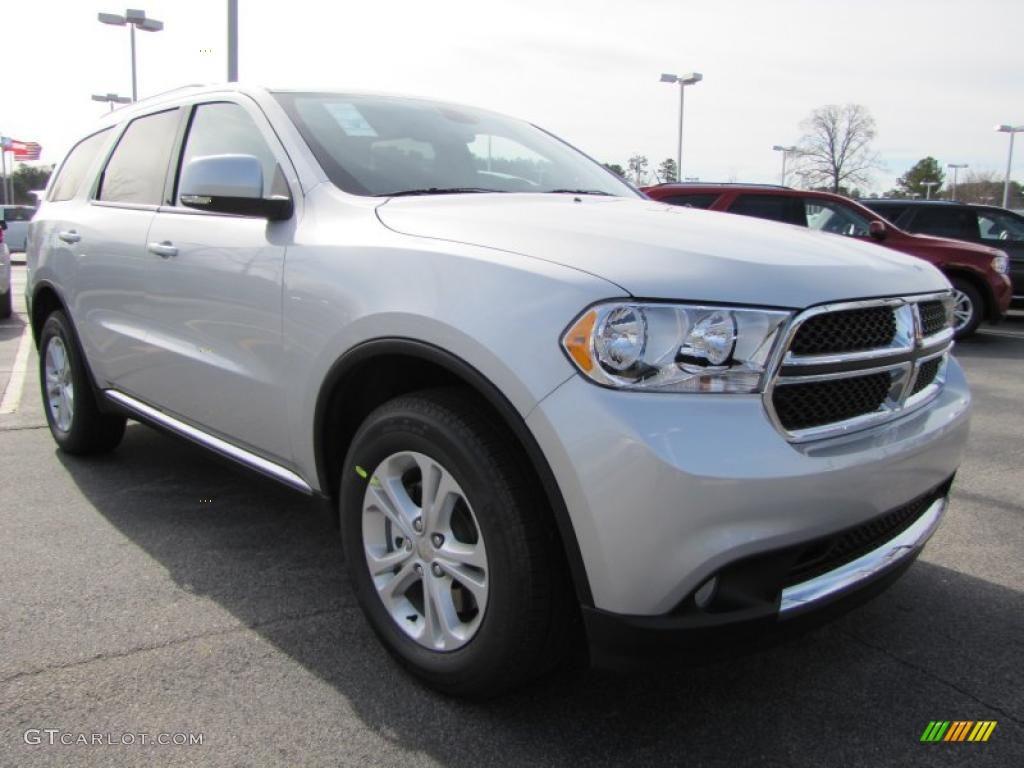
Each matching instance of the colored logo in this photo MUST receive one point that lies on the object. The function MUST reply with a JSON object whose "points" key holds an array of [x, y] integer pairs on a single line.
{"points": [[958, 730]]}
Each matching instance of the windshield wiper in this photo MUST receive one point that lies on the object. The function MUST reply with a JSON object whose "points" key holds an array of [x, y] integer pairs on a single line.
{"points": [[436, 191], [579, 192]]}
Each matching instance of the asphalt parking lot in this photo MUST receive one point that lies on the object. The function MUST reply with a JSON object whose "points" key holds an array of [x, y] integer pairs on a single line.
{"points": [[159, 591]]}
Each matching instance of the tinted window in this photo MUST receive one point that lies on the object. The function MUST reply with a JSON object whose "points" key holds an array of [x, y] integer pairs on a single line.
{"points": [[1001, 226], [136, 171], [960, 223], [696, 200], [789, 210], [76, 165], [890, 212], [833, 217], [18, 213], [226, 129], [375, 145]]}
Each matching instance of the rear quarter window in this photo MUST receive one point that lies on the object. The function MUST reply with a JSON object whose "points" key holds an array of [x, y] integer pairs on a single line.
{"points": [[781, 208], [76, 165], [696, 200]]}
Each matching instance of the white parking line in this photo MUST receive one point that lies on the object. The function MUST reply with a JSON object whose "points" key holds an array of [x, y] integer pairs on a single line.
{"points": [[1004, 334], [16, 383]]}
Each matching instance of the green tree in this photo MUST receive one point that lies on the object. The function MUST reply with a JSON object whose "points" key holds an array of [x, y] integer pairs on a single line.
{"points": [[617, 169], [667, 171], [924, 171], [29, 178]]}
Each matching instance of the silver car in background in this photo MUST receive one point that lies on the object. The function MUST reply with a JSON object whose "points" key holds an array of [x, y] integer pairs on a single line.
{"points": [[545, 407]]}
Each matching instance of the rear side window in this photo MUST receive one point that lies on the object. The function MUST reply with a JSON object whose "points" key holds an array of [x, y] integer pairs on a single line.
{"points": [[224, 128], [76, 165], [890, 212], [136, 171], [788, 210], [696, 200], [959, 223]]}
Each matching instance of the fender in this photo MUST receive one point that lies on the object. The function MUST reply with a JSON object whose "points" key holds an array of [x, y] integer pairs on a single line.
{"points": [[482, 385]]}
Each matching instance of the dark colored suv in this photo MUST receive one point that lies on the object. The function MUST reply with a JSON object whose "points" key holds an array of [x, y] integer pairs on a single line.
{"points": [[979, 274], [984, 224]]}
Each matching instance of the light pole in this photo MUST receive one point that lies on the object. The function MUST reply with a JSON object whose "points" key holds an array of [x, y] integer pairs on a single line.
{"points": [[956, 167], [132, 19], [928, 188], [683, 80], [1010, 129], [111, 98], [785, 153], [232, 41]]}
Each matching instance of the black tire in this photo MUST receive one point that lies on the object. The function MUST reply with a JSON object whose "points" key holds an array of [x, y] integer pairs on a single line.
{"points": [[6, 302], [977, 305], [524, 630], [90, 430]]}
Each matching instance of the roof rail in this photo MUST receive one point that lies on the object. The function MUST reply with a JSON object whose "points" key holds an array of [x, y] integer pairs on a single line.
{"points": [[719, 184]]}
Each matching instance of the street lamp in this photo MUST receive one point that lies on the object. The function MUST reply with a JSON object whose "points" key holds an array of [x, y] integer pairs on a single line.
{"points": [[786, 151], [928, 188], [1010, 129], [956, 167], [111, 98], [132, 19], [683, 80]]}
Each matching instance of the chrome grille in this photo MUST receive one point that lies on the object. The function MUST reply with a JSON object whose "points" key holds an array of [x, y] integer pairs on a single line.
{"points": [[849, 366], [847, 331]]}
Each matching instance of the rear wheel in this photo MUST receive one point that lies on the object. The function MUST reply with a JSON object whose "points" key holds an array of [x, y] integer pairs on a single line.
{"points": [[968, 309], [75, 420], [5, 303], [448, 546]]}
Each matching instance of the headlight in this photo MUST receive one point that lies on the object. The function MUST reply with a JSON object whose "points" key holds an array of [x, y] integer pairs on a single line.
{"points": [[674, 347], [1001, 263]]}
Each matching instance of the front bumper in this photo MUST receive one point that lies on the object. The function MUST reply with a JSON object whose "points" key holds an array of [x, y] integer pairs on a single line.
{"points": [[664, 491]]}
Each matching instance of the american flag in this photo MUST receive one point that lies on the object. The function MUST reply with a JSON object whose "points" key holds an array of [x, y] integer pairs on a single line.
{"points": [[24, 150]]}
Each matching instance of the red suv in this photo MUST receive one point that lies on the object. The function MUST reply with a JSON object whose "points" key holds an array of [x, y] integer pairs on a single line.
{"points": [[979, 274]]}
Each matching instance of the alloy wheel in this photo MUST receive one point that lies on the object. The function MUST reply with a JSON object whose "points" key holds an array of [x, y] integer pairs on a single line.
{"points": [[60, 387], [425, 551]]}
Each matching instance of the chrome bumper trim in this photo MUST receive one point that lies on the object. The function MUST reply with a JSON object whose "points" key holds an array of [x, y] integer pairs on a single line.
{"points": [[809, 593], [223, 447]]}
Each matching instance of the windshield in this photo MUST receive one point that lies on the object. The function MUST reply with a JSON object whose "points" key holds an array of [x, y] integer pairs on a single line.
{"points": [[378, 145]]}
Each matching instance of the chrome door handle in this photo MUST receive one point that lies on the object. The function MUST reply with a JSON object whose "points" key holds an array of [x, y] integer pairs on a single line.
{"points": [[164, 249], [69, 236]]}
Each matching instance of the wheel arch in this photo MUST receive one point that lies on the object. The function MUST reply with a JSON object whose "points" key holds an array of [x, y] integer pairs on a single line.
{"points": [[376, 371], [991, 309]]}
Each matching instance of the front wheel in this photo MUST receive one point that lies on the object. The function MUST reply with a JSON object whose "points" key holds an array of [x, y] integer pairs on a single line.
{"points": [[968, 308], [76, 421], [449, 547]]}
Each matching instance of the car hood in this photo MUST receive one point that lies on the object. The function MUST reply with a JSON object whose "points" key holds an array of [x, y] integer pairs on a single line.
{"points": [[653, 250], [963, 246]]}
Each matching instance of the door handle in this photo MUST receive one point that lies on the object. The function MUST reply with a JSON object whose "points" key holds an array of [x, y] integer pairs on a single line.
{"points": [[165, 249], [69, 236]]}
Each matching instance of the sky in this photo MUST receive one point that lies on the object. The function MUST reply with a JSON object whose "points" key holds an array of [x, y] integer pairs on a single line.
{"points": [[936, 75]]}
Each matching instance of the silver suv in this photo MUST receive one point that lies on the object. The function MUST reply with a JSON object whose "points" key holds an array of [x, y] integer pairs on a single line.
{"points": [[545, 407]]}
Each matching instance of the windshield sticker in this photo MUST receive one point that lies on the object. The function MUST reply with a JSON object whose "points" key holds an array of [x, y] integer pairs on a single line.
{"points": [[350, 119]]}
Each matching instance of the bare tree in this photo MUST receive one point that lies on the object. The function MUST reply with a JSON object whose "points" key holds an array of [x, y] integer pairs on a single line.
{"points": [[835, 151], [636, 169]]}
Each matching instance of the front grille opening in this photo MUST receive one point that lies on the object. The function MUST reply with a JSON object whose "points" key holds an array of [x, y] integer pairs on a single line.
{"points": [[933, 317], [802, 406], [849, 330], [845, 547], [926, 375]]}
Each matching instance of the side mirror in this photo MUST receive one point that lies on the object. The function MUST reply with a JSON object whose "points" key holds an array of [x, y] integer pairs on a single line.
{"points": [[877, 229], [3, 224], [230, 184]]}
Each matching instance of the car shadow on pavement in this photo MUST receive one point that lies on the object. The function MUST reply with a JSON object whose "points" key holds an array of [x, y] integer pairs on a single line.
{"points": [[938, 645]]}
